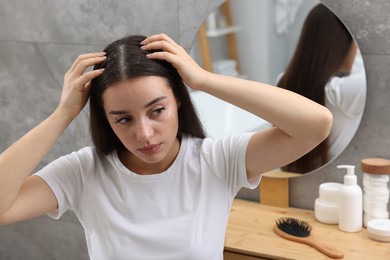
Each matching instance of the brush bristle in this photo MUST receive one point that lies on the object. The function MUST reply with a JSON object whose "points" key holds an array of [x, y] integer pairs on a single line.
{"points": [[293, 226]]}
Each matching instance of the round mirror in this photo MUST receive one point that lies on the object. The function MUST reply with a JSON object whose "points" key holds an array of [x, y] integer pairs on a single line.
{"points": [[291, 44]]}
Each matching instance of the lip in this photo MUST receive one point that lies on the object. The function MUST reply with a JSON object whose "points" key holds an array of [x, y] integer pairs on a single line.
{"points": [[150, 149]]}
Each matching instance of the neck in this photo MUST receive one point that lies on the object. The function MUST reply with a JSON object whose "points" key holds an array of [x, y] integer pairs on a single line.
{"points": [[136, 165]]}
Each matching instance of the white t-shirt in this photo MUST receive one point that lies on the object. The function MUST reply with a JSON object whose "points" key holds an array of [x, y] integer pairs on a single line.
{"points": [[181, 213], [345, 97]]}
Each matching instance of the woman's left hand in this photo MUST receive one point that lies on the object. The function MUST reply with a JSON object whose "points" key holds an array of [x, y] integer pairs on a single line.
{"points": [[192, 74]]}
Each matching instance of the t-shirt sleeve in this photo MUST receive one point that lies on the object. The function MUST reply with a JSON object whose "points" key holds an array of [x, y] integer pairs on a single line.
{"points": [[226, 157], [65, 177], [348, 93]]}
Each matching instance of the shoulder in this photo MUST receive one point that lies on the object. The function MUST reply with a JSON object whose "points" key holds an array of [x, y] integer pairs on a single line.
{"points": [[83, 159], [347, 92], [355, 82], [227, 144], [87, 151], [84, 154]]}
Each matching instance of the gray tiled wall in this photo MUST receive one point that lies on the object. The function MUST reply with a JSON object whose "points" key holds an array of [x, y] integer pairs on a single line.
{"points": [[39, 39]]}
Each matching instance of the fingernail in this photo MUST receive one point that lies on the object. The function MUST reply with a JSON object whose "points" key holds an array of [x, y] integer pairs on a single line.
{"points": [[143, 47]]}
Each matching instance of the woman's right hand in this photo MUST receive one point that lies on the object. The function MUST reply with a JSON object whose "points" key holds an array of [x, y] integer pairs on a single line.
{"points": [[77, 83]]}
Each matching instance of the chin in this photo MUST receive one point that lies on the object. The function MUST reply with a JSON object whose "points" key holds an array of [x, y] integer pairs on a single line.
{"points": [[152, 159]]}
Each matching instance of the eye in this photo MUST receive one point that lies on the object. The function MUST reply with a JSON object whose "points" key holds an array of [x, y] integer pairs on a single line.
{"points": [[158, 111], [123, 120]]}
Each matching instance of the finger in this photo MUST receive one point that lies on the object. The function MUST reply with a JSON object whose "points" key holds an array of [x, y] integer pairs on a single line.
{"points": [[88, 76], [160, 45], [82, 57], [158, 37], [87, 89], [162, 55], [87, 86], [84, 64], [85, 56]]}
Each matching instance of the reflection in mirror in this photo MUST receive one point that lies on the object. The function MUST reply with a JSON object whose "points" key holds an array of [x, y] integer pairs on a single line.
{"points": [[321, 69], [301, 46]]}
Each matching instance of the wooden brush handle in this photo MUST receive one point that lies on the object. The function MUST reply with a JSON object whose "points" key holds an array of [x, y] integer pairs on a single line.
{"points": [[329, 251]]}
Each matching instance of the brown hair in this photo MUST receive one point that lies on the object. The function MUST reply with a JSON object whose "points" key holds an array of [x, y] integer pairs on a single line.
{"points": [[323, 46], [126, 60]]}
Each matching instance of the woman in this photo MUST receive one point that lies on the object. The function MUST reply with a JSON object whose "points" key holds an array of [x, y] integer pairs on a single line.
{"points": [[152, 187], [320, 70]]}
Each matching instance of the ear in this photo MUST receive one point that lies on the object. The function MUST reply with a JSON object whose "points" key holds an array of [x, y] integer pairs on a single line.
{"points": [[178, 104]]}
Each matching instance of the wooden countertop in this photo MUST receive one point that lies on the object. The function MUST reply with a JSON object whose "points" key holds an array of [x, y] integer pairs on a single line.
{"points": [[250, 232]]}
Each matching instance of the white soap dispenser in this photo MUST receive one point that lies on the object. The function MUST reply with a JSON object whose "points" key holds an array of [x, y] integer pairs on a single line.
{"points": [[351, 202]]}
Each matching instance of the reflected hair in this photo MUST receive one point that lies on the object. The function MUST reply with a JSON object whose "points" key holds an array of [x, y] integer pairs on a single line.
{"points": [[323, 46], [126, 60]]}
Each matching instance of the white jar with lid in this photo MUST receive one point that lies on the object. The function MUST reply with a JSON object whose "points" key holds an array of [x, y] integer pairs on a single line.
{"points": [[375, 188], [326, 206]]}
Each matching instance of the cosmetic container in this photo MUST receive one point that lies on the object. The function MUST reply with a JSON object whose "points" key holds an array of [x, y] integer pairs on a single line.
{"points": [[379, 230], [326, 206], [375, 188], [351, 202]]}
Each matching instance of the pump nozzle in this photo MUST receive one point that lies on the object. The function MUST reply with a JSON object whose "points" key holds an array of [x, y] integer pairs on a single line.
{"points": [[350, 169], [350, 178]]}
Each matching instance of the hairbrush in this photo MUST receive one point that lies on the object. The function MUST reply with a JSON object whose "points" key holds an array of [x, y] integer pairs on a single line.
{"points": [[299, 231]]}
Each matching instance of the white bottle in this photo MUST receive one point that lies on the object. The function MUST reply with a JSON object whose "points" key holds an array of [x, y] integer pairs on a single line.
{"points": [[351, 202]]}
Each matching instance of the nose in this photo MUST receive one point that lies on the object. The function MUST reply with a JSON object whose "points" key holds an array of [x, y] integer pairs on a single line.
{"points": [[144, 131]]}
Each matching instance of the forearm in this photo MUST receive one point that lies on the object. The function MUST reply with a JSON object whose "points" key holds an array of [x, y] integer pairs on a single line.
{"points": [[20, 159], [295, 115]]}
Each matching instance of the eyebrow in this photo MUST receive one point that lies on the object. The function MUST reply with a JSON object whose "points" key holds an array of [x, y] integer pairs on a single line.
{"points": [[121, 112], [157, 99]]}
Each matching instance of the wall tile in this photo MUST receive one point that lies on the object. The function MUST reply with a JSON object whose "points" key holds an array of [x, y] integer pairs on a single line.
{"points": [[43, 239], [86, 21], [369, 22], [30, 89], [27, 89]]}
